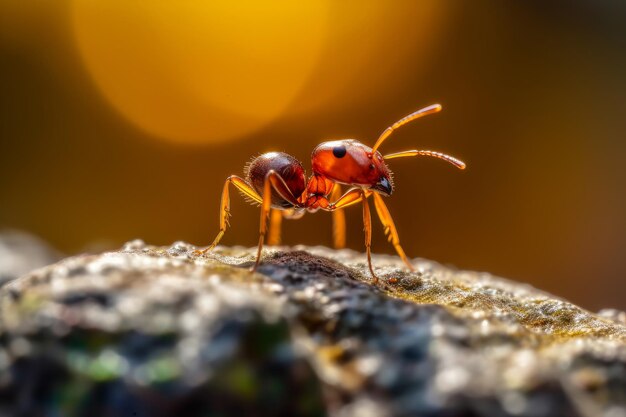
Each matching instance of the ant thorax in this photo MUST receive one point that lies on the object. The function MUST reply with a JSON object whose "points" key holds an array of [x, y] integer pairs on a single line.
{"points": [[318, 189]]}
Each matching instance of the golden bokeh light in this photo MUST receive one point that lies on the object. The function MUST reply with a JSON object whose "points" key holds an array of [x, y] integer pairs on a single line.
{"points": [[201, 72], [197, 71], [375, 48]]}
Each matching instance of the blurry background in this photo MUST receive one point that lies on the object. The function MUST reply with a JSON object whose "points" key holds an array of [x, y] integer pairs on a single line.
{"points": [[121, 120]]}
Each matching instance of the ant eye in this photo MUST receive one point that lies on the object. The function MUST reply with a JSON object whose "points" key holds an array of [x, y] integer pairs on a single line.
{"points": [[372, 166], [339, 151]]}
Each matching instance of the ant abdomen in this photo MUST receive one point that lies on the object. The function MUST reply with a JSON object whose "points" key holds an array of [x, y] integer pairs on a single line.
{"points": [[288, 167]]}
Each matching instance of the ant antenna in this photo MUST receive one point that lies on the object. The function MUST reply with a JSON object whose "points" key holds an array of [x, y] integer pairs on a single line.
{"points": [[413, 116], [456, 162]]}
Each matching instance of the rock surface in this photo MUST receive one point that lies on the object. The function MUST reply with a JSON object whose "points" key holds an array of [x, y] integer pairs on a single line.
{"points": [[159, 331]]}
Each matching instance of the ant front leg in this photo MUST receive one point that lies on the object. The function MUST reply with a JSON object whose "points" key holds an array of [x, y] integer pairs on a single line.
{"points": [[367, 228], [273, 182], [247, 190], [353, 196], [390, 229]]}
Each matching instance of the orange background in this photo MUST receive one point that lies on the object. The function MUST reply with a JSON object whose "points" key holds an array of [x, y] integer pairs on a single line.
{"points": [[121, 119]]}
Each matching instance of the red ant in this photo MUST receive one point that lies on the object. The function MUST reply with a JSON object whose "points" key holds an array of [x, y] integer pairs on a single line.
{"points": [[276, 180]]}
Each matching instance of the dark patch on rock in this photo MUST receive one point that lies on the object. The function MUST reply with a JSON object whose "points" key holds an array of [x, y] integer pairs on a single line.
{"points": [[96, 297]]}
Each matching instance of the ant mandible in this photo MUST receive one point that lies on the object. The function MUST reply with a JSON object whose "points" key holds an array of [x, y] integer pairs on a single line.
{"points": [[276, 180]]}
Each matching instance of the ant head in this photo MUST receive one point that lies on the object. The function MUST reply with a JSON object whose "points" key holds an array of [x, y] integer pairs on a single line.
{"points": [[350, 162]]}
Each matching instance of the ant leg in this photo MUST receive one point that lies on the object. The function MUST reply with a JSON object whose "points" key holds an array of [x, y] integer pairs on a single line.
{"points": [[274, 181], [367, 228], [350, 197], [242, 186], [390, 229], [276, 218], [353, 196], [339, 220]]}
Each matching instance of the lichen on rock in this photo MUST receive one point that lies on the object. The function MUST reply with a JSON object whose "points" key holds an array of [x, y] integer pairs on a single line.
{"points": [[159, 331]]}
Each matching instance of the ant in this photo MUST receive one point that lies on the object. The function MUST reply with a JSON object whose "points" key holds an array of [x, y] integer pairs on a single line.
{"points": [[277, 181]]}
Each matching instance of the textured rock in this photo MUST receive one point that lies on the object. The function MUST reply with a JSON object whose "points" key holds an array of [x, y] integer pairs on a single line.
{"points": [[150, 331], [21, 252]]}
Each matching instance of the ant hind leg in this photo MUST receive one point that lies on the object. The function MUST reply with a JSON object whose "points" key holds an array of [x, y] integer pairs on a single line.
{"points": [[276, 218], [339, 220], [273, 181], [242, 186]]}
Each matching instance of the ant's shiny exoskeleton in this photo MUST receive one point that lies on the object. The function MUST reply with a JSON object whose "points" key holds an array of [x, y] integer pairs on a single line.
{"points": [[276, 180]]}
